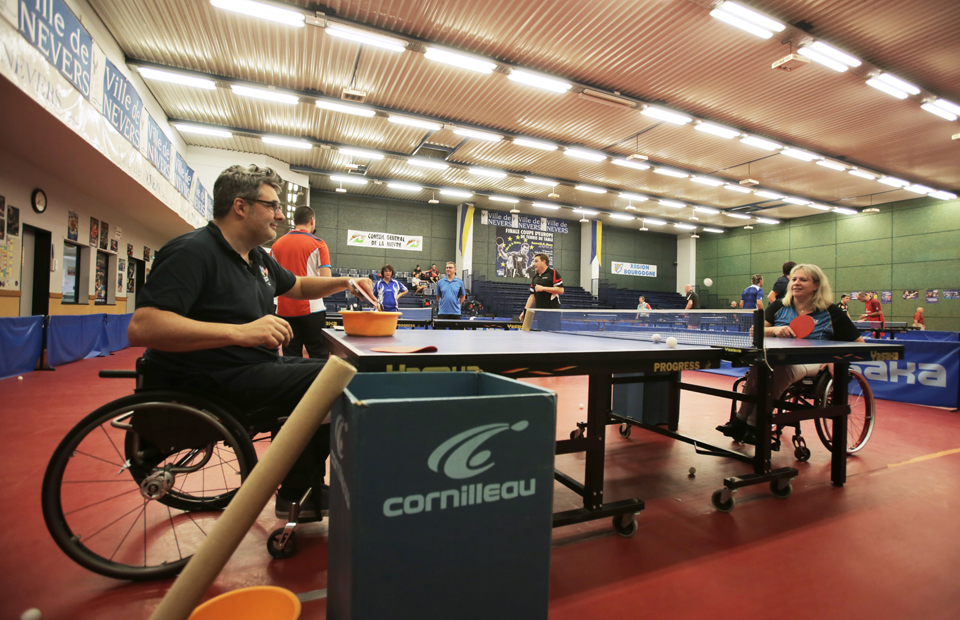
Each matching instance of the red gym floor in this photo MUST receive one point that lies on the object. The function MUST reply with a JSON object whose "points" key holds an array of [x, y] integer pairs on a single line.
{"points": [[886, 545]]}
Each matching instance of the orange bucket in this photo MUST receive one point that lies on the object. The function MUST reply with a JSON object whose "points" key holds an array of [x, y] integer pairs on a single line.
{"points": [[370, 323], [256, 603]]}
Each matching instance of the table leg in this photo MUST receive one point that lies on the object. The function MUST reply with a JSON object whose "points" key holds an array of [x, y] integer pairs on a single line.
{"points": [[838, 464], [598, 409]]}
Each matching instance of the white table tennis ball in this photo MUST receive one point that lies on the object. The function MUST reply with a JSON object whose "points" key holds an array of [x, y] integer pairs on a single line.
{"points": [[581, 405], [31, 614], [671, 342], [656, 338], [693, 471], [20, 378], [707, 282]]}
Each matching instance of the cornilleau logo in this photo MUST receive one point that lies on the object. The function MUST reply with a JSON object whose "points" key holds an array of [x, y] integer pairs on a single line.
{"points": [[459, 458], [462, 459]]}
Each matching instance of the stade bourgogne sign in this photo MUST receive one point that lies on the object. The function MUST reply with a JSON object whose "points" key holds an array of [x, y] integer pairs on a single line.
{"points": [[633, 269]]}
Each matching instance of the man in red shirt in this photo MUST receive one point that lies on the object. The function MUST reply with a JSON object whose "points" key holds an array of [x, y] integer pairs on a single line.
{"points": [[872, 313], [918, 321], [304, 255]]}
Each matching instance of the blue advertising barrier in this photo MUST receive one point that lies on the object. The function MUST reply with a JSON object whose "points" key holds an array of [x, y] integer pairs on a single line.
{"points": [[930, 336], [929, 374], [77, 337], [21, 340]]}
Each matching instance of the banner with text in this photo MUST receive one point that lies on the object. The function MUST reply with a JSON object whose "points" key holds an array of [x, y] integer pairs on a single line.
{"points": [[52, 28], [365, 239], [523, 222], [633, 269], [516, 249], [122, 105]]}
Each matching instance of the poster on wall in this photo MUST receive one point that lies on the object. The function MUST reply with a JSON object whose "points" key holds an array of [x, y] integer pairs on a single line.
{"points": [[104, 235], [100, 282], [3, 210], [120, 282], [131, 273], [73, 226], [952, 294], [886, 297], [94, 231], [130, 250], [13, 221], [114, 246], [911, 294], [146, 254], [933, 295], [122, 265], [516, 249]]}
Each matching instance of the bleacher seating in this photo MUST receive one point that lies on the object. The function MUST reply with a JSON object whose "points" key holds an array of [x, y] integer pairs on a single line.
{"points": [[507, 300], [627, 298]]}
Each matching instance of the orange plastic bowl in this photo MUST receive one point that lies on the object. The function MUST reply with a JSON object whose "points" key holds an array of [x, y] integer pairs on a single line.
{"points": [[256, 603], [370, 323]]}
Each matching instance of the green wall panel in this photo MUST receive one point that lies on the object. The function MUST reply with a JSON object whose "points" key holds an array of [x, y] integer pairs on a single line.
{"points": [[858, 253], [824, 256], [812, 235], [733, 246], [930, 219], [770, 240], [864, 227], [867, 278], [769, 263], [930, 247], [734, 265]]}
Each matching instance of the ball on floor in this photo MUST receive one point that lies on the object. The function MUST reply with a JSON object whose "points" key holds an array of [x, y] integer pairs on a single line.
{"points": [[31, 614], [671, 342], [693, 471]]}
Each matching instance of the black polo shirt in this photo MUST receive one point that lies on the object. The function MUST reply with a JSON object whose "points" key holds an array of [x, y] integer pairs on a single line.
{"points": [[200, 277], [550, 277]]}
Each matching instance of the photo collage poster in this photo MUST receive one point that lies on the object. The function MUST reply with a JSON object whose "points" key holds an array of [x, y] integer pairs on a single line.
{"points": [[516, 248]]}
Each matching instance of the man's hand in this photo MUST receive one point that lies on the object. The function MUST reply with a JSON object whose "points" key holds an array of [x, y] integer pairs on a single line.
{"points": [[270, 331], [538, 288], [366, 284]]}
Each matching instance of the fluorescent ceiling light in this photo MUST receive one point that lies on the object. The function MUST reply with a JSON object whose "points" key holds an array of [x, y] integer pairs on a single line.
{"points": [[823, 59], [207, 131], [707, 181], [486, 172], [532, 79], [768, 194], [426, 163], [798, 154], [581, 154], [894, 182], [414, 122], [503, 199], [834, 53], [404, 187], [761, 143], [536, 181], [943, 104], [751, 16], [534, 144], [480, 135], [665, 115], [460, 60], [796, 201], [262, 11], [742, 24], [899, 84], [585, 212], [935, 109], [654, 222], [546, 205], [738, 188], [347, 179], [813, 205], [176, 78], [713, 230], [346, 108], [709, 210], [671, 173], [591, 189], [361, 153], [636, 197], [918, 189], [831, 164], [673, 203], [297, 144], [260, 93], [367, 38], [685, 226], [763, 220], [455, 193], [626, 163], [621, 216], [890, 90], [738, 216], [716, 130], [863, 175], [845, 211], [942, 195]]}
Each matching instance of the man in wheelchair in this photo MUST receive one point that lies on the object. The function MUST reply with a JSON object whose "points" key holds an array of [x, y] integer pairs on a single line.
{"points": [[808, 293], [205, 316]]}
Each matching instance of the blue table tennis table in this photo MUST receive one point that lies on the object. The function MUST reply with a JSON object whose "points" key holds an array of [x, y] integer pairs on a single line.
{"points": [[600, 355]]}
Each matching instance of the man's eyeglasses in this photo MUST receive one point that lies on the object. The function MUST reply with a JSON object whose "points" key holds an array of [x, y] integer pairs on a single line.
{"points": [[270, 204]]}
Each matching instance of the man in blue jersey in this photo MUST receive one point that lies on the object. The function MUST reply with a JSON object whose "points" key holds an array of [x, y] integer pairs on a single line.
{"points": [[450, 294], [752, 297], [388, 291]]}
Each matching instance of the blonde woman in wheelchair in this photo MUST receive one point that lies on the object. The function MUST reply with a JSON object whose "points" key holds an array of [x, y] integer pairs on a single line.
{"points": [[808, 294]]}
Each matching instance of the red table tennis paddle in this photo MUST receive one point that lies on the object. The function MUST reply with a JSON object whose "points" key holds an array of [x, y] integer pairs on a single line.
{"points": [[355, 287], [803, 326], [425, 349]]}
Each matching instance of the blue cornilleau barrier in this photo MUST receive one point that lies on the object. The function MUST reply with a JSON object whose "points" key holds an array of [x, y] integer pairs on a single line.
{"points": [[72, 338], [21, 340]]}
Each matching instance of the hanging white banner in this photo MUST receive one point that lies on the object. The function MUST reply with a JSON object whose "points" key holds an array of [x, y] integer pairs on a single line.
{"points": [[633, 269], [365, 239]]}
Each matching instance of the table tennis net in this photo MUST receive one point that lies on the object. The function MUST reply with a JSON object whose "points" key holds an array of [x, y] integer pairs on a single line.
{"points": [[723, 328]]}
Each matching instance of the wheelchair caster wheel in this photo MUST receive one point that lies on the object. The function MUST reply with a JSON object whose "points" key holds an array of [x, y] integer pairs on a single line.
{"points": [[802, 454], [781, 492], [719, 504], [273, 544], [626, 524], [576, 433], [625, 430]]}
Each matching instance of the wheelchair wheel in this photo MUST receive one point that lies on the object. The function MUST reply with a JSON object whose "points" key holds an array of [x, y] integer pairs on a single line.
{"points": [[136, 506], [862, 414]]}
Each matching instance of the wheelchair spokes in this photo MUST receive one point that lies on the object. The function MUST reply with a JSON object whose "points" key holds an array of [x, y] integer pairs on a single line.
{"points": [[862, 416]]}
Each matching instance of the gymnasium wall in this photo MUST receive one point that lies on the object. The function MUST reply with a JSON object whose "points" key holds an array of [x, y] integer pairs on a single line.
{"points": [[909, 245], [629, 246]]}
